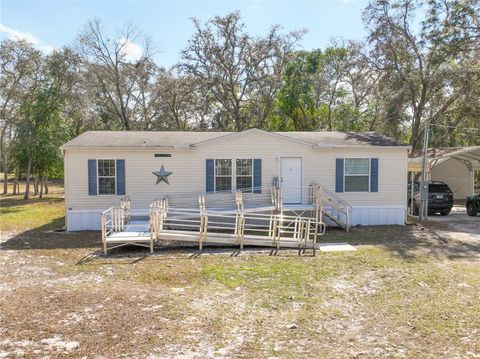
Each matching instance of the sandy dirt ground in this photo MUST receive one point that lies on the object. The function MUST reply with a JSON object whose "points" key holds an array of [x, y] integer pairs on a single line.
{"points": [[407, 291]]}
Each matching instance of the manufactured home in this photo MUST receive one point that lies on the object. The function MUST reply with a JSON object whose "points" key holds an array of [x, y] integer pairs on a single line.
{"points": [[365, 171]]}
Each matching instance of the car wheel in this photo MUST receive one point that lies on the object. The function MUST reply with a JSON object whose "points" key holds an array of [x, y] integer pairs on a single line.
{"points": [[471, 209], [446, 212]]}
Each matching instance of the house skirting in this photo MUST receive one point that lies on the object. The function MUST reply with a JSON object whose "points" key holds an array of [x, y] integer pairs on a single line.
{"points": [[82, 220], [377, 215]]}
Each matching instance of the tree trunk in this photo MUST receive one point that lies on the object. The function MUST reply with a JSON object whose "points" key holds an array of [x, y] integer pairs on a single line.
{"points": [[5, 180], [329, 119], [27, 180], [35, 185], [415, 139], [15, 184], [46, 186], [41, 187]]}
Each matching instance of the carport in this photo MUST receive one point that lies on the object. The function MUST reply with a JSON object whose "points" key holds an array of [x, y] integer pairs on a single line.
{"points": [[456, 166]]}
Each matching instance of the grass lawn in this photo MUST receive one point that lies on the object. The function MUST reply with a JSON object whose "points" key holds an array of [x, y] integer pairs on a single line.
{"points": [[407, 291], [18, 214]]}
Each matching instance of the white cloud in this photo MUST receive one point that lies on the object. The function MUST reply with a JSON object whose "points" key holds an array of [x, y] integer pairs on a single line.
{"points": [[131, 50], [27, 36]]}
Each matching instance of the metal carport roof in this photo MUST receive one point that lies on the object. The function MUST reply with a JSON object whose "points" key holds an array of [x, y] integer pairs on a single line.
{"points": [[469, 156]]}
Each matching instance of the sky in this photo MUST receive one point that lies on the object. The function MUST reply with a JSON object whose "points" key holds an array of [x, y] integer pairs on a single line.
{"points": [[53, 24]]}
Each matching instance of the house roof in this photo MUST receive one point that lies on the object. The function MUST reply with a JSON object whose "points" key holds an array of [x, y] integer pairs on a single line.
{"points": [[145, 139]]}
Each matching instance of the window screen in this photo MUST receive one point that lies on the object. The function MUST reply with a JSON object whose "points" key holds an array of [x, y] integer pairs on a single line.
{"points": [[223, 174], [357, 174], [244, 174], [106, 176]]}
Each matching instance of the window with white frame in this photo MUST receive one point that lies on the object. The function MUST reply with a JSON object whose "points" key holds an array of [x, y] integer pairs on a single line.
{"points": [[223, 174], [244, 174], [106, 176], [357, 174]]}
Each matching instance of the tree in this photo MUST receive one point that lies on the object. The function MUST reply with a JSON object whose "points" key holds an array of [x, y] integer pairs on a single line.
{"points": [[240, 73], [328, 85], [362, 80], [41, 129], [332, 89], [421, 67], [183, 106], [296, 99], [115, 69], [20, 64], [147, 104]]}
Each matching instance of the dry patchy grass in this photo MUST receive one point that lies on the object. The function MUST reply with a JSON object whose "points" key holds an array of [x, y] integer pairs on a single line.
{"points": [[406, 292]]}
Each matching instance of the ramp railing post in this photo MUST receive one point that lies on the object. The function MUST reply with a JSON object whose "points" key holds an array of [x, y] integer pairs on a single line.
{"points": [[276, 231], [113, 219], [239, 228], [347, 219], [273, 228], [319, 204], [201, 203], [279, 206], [104, 232], [239, 200], [270, 227], [315, 236], [153, 228], [307, 232], [203, 230], [203, 221]]}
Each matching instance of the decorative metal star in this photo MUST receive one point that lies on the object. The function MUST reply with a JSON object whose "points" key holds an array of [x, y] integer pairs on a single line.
{"points": [[162, 175]]}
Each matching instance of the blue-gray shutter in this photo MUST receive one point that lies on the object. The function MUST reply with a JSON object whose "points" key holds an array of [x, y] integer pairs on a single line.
{"points": [[339, 175], [257, 175], [92, 177], [120, 177], [210, 175], [374, 175]]}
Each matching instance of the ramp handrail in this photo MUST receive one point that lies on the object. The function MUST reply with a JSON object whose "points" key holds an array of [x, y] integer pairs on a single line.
{"points": [[274, 227], [321, 196], [316, 195], [114, 220]]}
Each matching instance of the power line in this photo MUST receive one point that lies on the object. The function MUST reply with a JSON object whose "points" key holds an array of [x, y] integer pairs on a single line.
{"points": [[463, 128]]}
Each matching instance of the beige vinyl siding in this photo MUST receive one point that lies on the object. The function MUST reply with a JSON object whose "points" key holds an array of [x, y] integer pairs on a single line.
{"points": [[188, 167]]}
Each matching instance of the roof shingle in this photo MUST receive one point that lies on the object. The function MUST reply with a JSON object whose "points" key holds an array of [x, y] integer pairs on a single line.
{"points": [[117, 139]]}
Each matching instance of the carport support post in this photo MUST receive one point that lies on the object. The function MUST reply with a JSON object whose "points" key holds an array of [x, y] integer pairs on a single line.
{"points": [[412, 191], [424, 179]]}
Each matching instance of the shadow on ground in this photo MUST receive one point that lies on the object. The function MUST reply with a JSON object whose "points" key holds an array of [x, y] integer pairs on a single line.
{"points": [[413, 240], [50, 236], [408, 242]]}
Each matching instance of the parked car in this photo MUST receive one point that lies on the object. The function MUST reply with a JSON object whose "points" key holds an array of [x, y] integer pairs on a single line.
{"points": [[440, 198], [473, 204]]}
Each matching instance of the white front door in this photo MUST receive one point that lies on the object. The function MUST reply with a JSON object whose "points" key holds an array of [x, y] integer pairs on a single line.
{"points": [[291, 179]]}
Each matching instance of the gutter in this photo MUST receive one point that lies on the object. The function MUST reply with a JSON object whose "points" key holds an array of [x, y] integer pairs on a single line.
{"points": [[325, 146]]}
